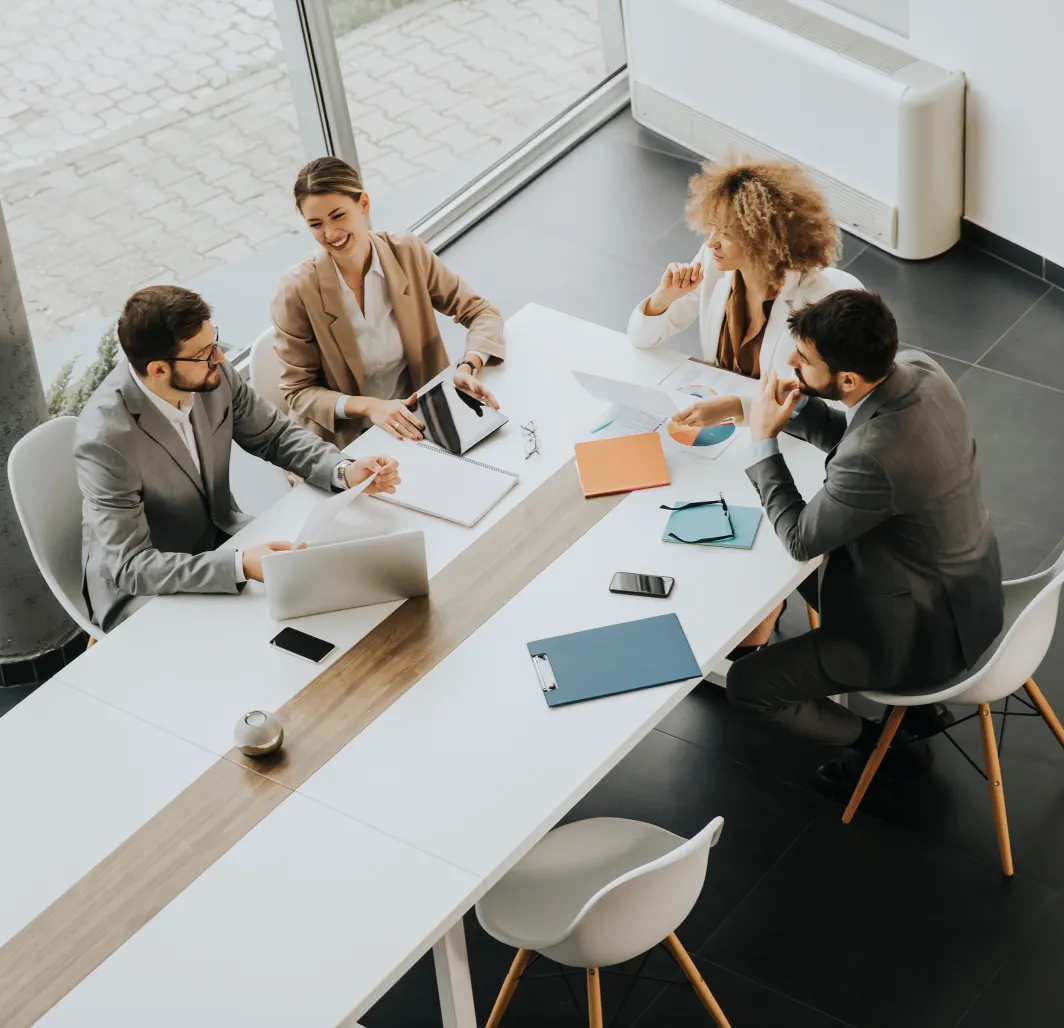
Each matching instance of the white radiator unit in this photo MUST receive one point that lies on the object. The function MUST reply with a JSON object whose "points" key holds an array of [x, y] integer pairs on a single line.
{"points": [[880, 132]]}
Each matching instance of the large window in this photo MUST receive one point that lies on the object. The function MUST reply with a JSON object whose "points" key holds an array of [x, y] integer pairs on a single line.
{"points": [[439, 89], [139, 142], [157, 141]]}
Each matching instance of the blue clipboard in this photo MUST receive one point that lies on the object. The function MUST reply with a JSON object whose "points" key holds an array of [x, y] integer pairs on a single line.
{"points": [[614, 659]]}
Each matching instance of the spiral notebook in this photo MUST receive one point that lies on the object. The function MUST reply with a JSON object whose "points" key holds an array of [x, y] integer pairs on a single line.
{"points": [[447, 486]]}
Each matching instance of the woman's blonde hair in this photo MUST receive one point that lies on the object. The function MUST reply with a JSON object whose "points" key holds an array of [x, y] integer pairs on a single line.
{"points": [[771, 209], [325, 175]]}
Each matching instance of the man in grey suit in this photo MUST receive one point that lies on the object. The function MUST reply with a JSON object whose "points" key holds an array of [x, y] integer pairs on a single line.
{"points": [[909, 593], [152, 450]]}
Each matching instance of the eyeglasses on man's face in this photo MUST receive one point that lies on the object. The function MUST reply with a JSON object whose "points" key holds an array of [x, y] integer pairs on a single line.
{"points": [[213, 358]]}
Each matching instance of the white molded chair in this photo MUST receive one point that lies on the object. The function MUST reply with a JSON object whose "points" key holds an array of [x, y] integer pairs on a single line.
{"points": [[1030, 620], [44, 486], [596, 893], [265, 370]]}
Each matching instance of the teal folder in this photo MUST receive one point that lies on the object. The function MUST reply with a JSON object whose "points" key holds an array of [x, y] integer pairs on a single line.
{"points": [[614, 659], [703, 522]]}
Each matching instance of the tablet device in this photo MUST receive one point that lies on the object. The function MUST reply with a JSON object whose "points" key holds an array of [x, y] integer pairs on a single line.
{"points": [[453, 420]]}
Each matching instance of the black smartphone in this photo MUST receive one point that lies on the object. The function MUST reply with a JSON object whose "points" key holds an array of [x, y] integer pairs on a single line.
{"points": [[641, 585], [308, 647]]}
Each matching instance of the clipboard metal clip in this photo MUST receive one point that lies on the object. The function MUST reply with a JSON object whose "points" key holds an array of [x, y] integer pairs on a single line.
{"points": [[545, 673]]}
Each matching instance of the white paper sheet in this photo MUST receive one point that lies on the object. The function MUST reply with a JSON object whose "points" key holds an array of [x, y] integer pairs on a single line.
{"points": [[617, 421], [691, 374], [326, 511]]}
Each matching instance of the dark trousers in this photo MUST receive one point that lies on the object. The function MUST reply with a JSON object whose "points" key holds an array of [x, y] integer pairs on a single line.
{"points": [[785, 684]]}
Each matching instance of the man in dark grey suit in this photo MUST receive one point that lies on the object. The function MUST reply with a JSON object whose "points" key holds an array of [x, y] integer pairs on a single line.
{"points": [[152, 450], [909, 592]]}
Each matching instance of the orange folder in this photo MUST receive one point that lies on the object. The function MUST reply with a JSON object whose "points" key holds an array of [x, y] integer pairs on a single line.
{"points": [[621, 465]]}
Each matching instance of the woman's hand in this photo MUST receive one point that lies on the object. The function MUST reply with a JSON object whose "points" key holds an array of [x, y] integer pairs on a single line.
{"points": [[707, 413], [386, 468], [469, 384], [678, 281], [395, 416]]}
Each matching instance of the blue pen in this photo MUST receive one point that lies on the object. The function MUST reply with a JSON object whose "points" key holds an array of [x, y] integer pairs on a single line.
{"points": [[601, 427]]}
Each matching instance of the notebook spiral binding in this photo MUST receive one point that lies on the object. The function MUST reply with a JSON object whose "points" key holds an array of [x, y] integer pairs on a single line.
{"points": [[468, 460]]}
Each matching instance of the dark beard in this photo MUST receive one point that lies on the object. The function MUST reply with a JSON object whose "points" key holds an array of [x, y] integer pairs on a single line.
{"points": [[829, 392], [177, 381]]}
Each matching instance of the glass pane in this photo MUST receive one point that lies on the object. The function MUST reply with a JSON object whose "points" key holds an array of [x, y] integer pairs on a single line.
{"points": [[439, 91], [144, 142]]}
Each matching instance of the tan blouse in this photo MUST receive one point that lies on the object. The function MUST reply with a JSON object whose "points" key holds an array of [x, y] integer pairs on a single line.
{"points": [[739, 348]]}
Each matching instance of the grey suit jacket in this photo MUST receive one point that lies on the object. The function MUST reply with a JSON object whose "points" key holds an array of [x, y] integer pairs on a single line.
{"points": [[912, 572], [150, 521]]}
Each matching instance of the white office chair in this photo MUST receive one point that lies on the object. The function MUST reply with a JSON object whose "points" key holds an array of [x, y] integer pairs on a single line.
{"points": [[1030, 620], [44, 486], [264, 367], [265, 370], [596, 893]]}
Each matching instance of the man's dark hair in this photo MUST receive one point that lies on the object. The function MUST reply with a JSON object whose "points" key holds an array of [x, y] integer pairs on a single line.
{"points": [[155, 322], [852, 330]]}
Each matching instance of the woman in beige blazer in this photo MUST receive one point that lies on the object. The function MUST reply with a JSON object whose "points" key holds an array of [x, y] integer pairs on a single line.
{"points": [[355, 326]]}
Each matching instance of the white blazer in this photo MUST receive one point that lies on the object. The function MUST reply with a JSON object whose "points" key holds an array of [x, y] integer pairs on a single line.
{"points": [[709, 302]]}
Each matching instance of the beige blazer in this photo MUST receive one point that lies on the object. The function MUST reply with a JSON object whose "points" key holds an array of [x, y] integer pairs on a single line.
{"points": [[316, 343]]}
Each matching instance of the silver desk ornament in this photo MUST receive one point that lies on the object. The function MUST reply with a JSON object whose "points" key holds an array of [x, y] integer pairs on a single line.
{"points": [[258, 733]]}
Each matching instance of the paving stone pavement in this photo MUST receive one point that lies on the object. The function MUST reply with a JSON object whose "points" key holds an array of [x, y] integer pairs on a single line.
{"points": [[143, 140]]}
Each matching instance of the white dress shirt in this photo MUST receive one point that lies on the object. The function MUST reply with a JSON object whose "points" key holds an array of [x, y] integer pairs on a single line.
{"points": [[180, 418], [377, 332]]}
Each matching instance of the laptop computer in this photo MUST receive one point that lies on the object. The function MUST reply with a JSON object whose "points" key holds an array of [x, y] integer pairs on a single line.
{"points": [[354, 573], [455, 421]]}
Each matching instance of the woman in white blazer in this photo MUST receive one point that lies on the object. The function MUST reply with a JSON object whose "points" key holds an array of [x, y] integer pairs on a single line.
{"points": [[770, 243]]}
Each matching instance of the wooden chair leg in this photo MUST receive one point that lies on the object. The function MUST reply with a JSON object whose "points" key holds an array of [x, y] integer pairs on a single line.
{"points": [[509, 987], [876, 758], [594, 998], [687, 965], [814, 617], [997, 791], [1045, 709]]}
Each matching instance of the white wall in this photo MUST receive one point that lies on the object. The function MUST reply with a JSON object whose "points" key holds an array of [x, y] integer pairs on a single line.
{"points": [[1012, 52]]}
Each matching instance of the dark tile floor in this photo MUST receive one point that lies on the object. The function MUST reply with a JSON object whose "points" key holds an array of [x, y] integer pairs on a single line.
{"points": [[903, 917]]}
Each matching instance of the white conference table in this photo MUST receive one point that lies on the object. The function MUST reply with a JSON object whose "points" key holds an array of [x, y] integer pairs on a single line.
{"points": [[392, 840]]}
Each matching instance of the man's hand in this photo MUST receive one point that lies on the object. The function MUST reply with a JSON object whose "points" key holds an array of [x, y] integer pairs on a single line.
{"points": [[678, 281], [252, 558], [387, 469], [784, 389], [772, 407], [706, 413], [469, 384]]}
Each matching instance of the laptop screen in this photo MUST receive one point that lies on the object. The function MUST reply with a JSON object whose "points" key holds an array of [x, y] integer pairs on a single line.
{"points": [[455, 421]]}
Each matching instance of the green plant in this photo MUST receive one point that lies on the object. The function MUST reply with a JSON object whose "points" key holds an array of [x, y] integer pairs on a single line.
{"points": [[69, 397]]}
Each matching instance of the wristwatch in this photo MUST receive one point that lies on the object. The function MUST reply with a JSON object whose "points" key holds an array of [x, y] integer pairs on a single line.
{"points": [[472, 367], [339, 479]]}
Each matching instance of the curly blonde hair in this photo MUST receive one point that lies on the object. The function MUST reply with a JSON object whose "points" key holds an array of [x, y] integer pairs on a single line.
{"points": [[771, 209]]}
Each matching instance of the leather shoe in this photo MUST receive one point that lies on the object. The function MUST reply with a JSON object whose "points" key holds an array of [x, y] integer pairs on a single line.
{"points": [[930, 719], [838, 777]]}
